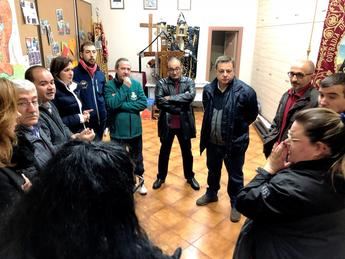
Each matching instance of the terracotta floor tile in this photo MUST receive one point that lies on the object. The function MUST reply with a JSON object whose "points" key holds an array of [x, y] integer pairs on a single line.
{"points": [[214, 245], [190, 230], [170, 216], [192, 252]]}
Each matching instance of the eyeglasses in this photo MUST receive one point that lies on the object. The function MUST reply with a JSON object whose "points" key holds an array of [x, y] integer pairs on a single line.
{"points": [[171, 70], [290, 138], [26, 104], [298, 75]]}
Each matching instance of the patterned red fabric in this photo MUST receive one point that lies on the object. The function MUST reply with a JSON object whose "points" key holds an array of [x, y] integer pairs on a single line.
{"points": [[333, 31]]}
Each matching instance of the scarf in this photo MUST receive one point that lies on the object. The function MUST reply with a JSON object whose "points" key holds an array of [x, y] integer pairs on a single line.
{"points": [[90, 70]]}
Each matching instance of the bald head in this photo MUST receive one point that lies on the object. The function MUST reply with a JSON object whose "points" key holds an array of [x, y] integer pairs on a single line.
{"points": [[174, 68], [301, 73]]}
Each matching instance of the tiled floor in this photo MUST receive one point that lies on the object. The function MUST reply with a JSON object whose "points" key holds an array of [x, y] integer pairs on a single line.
{"points": [[170, 216]]}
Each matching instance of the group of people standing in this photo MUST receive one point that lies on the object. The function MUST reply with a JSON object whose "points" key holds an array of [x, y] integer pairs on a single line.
{"points": [[301, 183]]}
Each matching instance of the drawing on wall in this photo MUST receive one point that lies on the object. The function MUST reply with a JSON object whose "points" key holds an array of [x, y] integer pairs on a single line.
{"points": [[67, 28], [60, 21], [117, 4], [12, 62], [55, 49], [150, 4], [33, 50], [29, 12]]}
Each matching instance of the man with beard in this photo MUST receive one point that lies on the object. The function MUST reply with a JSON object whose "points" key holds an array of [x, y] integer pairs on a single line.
{"points": [[49, 118], [92, 81], [302, 95]]}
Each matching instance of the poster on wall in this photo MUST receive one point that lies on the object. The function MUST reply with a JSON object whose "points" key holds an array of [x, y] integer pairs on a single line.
{"points": [[33, 50], [60, 21], [29, 12], [12, 63]]}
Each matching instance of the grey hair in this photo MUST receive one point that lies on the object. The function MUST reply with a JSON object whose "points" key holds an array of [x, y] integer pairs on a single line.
{"points": [[23, 85]]}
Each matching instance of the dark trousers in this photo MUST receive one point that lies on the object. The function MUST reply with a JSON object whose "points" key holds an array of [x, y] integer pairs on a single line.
{"points": [[135, 148], [164, 153], [215, 155]]}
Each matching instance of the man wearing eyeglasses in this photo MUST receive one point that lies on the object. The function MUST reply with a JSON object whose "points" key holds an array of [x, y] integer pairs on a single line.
{"points": [[302, 95], [174, 96], [34, 147]]}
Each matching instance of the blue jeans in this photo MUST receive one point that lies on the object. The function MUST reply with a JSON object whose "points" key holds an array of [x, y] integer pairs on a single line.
{"points": [[215, 155]]}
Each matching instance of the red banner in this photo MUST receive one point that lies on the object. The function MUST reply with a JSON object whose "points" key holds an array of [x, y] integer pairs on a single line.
{"points": [[331, 56]]}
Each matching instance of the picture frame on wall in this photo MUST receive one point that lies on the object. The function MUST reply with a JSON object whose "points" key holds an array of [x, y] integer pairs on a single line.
{"points": [[184, 5], [117, 4], [150, 4]]}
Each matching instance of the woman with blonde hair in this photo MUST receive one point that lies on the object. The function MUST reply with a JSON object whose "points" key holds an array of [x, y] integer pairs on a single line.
{"points": [[12, 183]]}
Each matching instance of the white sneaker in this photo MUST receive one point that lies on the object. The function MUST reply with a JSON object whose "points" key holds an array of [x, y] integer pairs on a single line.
{"points": [[142, 190]]}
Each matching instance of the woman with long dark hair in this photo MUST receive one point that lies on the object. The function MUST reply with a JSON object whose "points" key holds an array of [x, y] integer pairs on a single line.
{"points": [[81, 207]]}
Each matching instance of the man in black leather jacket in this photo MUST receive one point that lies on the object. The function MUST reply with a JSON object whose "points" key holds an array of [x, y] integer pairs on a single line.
{"points": [[174, 97]]}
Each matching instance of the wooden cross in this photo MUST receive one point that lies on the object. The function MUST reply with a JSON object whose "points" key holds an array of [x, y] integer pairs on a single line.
{"points": [[149, 25], [164, 54]]}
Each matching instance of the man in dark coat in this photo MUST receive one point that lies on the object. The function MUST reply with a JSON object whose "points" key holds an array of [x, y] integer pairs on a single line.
{"points": [[92, 81], [174, 96], [49, 118], [302, 95], [230, 106]]}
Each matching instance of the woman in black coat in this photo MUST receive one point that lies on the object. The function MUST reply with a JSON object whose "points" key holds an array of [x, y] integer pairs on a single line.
{"points": [[66, 97], [296, 202]]}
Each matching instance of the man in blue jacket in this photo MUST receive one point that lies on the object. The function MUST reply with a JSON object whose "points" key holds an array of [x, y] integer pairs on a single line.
{"points": [[230, 106], [92, 81], [125, 99]]}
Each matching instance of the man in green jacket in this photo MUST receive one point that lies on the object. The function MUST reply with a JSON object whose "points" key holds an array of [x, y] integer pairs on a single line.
{"points": [[125, 99]]}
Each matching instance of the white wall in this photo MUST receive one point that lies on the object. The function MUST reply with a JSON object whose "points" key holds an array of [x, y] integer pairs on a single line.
{"points": [[126, 38], [283, 32]]}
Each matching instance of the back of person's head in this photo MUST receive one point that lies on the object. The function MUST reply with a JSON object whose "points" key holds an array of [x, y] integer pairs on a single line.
{"points": [[58, 64], [82, 206], [328, 127], [8, 115]]}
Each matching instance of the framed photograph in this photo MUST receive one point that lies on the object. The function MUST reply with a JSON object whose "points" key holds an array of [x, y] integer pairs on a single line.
{"points": [[117, 4], [150, 4], [184, 4]]}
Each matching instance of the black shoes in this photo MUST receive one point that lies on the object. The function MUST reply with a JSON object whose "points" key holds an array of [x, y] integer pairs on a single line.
{"points": [[194, 184], [206, 199], [158, 183]]}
